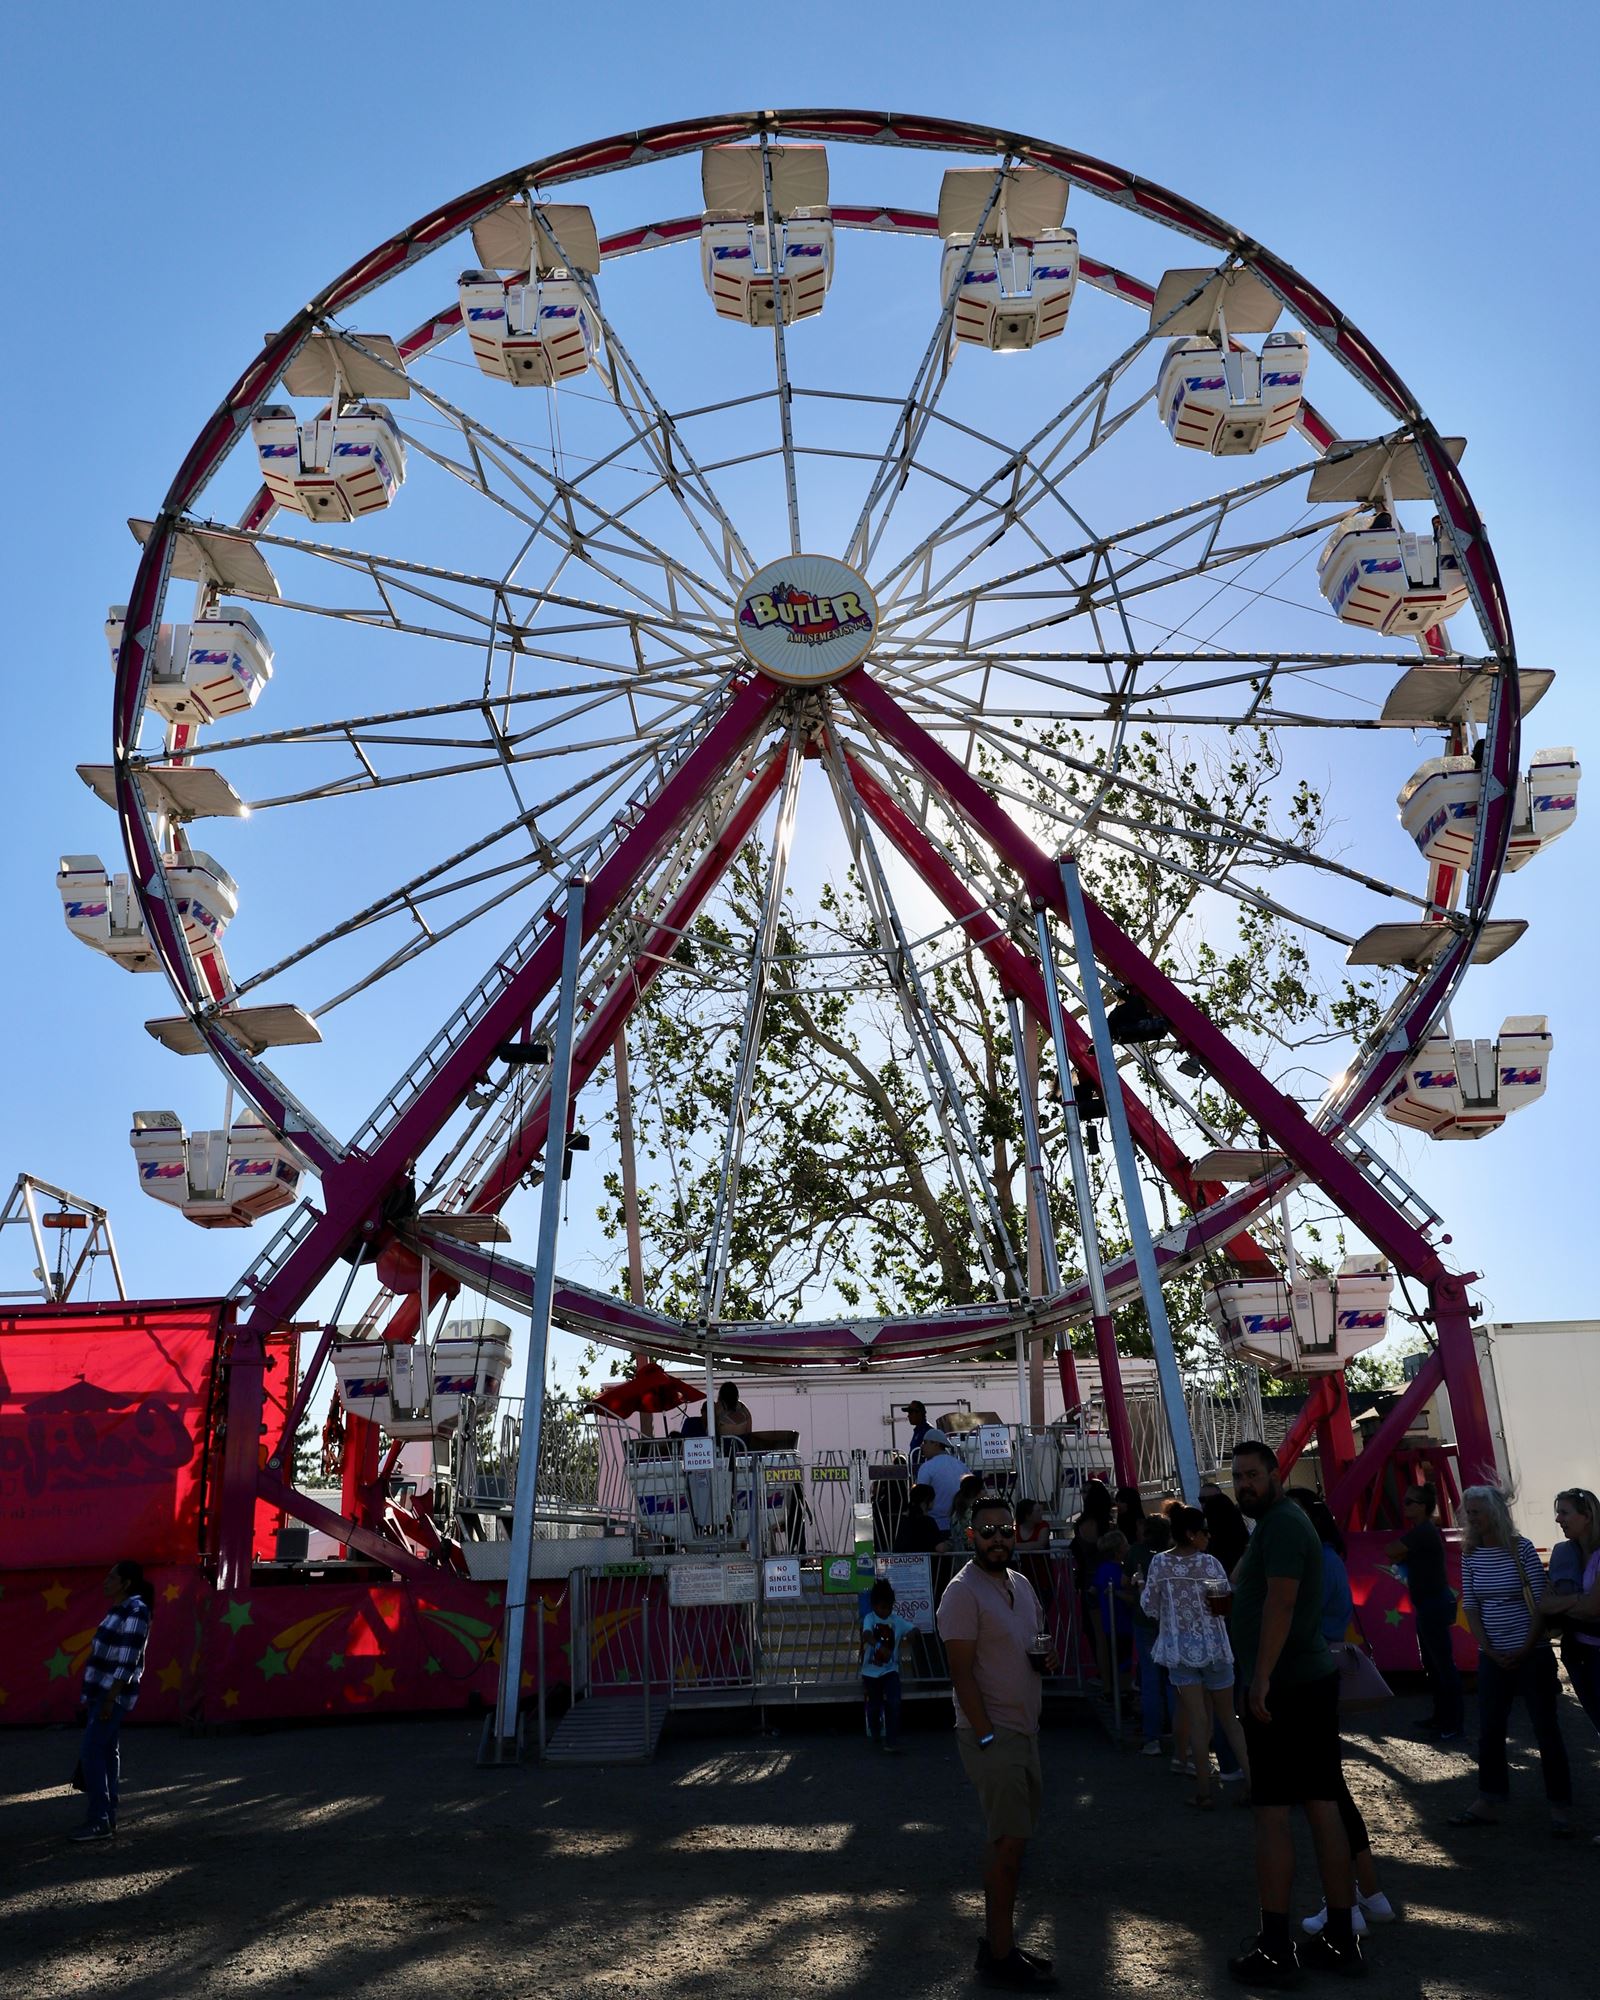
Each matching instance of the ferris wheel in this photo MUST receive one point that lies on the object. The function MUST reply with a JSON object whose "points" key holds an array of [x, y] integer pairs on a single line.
{"points": [[773, 480]]}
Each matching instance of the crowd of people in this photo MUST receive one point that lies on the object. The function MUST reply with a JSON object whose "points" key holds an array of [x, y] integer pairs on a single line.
{"points": [[1230, 1622]]}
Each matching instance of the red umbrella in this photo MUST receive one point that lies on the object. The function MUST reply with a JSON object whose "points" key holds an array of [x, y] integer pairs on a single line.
{"points": [[650, 1388]]}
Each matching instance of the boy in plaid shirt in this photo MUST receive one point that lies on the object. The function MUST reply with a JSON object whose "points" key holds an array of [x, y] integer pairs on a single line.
{"points": [[110, 1688]]}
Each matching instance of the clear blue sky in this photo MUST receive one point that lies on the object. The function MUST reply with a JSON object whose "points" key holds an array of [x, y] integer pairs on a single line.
{"points": [[179, 179]]}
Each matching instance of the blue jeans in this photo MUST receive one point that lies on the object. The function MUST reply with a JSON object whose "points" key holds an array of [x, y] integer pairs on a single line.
{"points": [[1583, 1670], [1435, 1620], [102, 1763], [1534, 1678], [881, 1693], [1152, 1690]]}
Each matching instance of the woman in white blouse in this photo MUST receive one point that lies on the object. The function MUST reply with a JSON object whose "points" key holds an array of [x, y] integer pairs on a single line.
{"points": [[1502, 1581], [1187, 1592]]}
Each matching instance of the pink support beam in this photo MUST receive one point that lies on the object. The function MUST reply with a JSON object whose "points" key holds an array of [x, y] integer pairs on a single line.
{"points": [[608, 1020], [1019, 976], [1304, 1427], [244, 1369], [354, 1189], [1346, 1492], [1311, 1151], [613, 1014], [1124, 1459]]}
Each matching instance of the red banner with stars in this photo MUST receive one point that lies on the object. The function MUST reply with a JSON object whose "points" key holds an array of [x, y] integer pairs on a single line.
{"points": [[102, 1432]]}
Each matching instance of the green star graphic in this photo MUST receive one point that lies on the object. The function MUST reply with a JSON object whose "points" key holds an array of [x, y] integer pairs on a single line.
{"points": [[272, 1663], [335, 1661], [430, 1666], [1391, 1618], [492, 1597], [60, 1665], [236, 1617]]}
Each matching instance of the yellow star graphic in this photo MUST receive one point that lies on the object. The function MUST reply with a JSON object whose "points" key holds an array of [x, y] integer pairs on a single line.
{"points": [[3, 1697], [55, 1598], [173, 1592], [381, 1680], [171, 1676], [231, 1698], [527, 1682]]}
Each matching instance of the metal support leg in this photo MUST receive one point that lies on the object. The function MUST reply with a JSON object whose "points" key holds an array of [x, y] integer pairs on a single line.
{"points": [[1123, 1463], [1144, 1258], [246, 1393], [539, 1328]]}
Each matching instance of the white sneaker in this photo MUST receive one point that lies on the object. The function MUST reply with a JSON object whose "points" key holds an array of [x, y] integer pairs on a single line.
{"points": [[1151, 1749], [1313, 1926], [1377, 1909], [1233, 1777], [1178, 1764]]}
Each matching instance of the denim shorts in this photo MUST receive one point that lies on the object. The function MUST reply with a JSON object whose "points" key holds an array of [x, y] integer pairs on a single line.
{"points": [[1214, 1676]]}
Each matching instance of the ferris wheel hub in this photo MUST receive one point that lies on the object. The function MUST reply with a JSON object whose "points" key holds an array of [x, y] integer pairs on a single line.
{"points": [[805, 620]]}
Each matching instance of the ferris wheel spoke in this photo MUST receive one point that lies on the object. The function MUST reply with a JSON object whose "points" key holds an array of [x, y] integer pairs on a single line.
{"points": [[557, 497], [1086, 406], [1195, 517], [921, 400], [657, 434], [990, 1228], [583, 698], [481, 1166], [367, 779], [558, 848], [1085, 819], [719, 1240], [1031, 484]]}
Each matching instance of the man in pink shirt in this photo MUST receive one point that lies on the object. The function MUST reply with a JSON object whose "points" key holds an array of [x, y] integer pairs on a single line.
{"points": [[994, 1640]]}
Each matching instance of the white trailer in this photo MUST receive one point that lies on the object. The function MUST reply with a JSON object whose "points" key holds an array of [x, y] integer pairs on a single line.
{"points": [[1541, 1380], [856, 1410]]}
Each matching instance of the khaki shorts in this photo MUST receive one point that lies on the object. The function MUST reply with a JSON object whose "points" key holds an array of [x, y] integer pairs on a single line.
{"points": [[1007, 1779]]}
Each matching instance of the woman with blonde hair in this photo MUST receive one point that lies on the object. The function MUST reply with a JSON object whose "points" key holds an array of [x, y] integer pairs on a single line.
{"points": [[1572, 1603], [1502, 1582]]}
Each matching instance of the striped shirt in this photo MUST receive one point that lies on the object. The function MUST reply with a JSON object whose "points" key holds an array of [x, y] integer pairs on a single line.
{"points": [[117, 1653], [1492, 1581]]}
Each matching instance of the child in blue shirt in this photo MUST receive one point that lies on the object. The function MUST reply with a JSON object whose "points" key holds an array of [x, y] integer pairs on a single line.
{"points": [[882, 1629]]}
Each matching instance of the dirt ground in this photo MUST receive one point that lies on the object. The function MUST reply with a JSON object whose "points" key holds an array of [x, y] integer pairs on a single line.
{"points": [[367, 1860]]}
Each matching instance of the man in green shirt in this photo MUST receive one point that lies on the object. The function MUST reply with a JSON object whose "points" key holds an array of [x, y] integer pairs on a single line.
{"points": [[1291, 1725]]}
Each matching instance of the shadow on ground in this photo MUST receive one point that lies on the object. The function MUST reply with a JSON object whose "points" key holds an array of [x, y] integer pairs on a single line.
{"points": [[365, 1860]]}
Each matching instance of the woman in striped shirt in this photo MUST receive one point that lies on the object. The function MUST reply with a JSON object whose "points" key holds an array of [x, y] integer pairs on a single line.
{"points": [[1502, 1581]]}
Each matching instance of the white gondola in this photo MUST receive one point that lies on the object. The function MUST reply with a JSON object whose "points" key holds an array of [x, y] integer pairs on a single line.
{"points": [[1312, 1327], [217, 665], [1387, 579], [1017, 287], [1456, 1089], [332, 468], [1232, 401], [220, 1180], [102, 910], [415, 1391], [1439, 807], [1214, 394], [534, 326], [740, 256]]}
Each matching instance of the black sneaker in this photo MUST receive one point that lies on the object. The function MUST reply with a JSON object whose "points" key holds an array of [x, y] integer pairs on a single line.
{"points": [[1015, 1973], [1033, 1958], [97, 1829], [1321, 1954], [1259, 1967]]}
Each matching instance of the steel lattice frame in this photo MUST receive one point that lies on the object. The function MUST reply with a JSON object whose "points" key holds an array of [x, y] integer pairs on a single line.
{"points": [[700, 753]]}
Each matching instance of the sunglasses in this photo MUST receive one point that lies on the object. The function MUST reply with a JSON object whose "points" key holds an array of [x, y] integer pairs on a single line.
{"points": [[1007, 1533]]}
